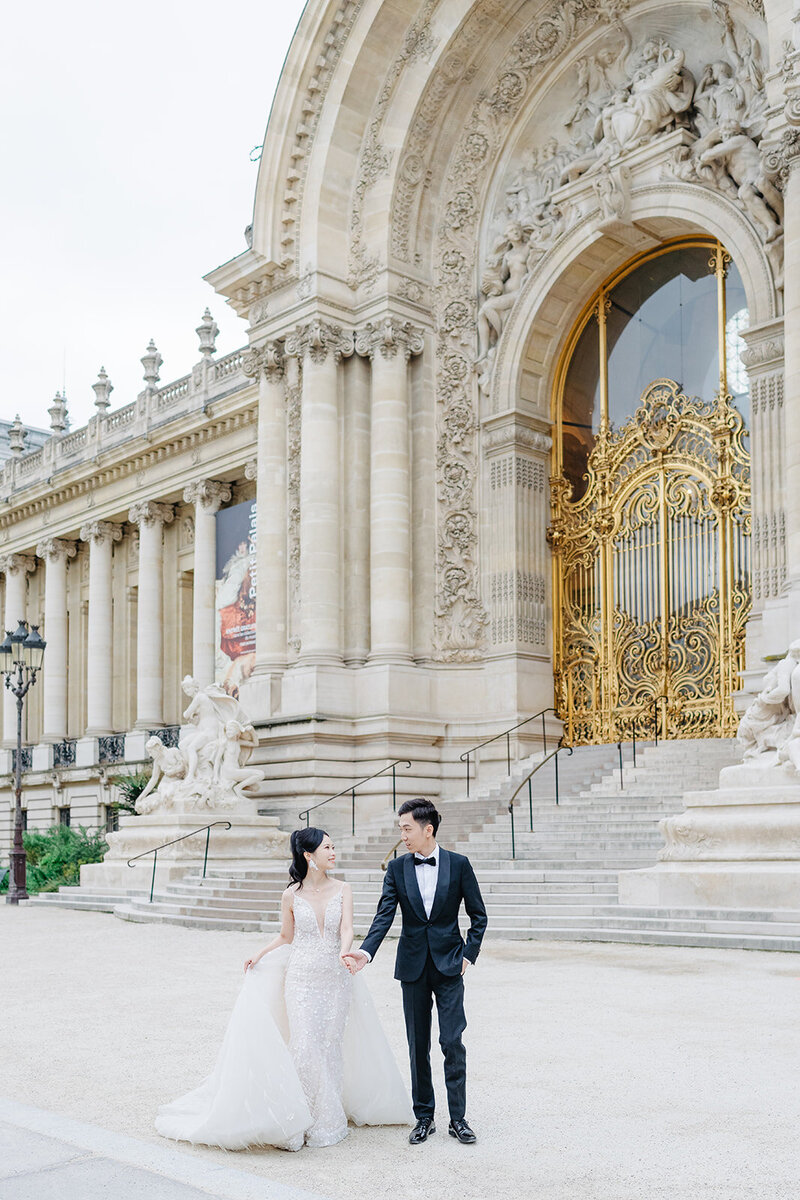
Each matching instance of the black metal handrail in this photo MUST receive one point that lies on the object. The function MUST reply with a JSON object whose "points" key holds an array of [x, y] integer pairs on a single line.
{"points": [[203, 829], [507, 735], [554, 756], [351, 789], [392, 853]]}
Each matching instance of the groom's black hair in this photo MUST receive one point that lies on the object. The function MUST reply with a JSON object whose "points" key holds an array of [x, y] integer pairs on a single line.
{"points": [[422, 811]]}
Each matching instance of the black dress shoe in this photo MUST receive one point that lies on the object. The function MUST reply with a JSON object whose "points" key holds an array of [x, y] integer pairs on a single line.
{"points": [[421, 1131], [462, 1131]]}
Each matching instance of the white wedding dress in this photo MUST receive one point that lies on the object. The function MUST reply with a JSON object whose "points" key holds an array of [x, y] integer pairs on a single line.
{"points": [[303, 1052]]}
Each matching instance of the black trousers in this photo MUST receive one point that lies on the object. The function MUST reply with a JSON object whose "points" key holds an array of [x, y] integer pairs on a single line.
{"points": [[418, 1009]]}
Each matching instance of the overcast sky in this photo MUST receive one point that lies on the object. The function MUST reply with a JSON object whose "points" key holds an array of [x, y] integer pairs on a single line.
{"points": [[125, 142]]}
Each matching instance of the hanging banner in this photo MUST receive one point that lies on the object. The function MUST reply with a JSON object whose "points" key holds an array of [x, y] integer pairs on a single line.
{"points": [[235, 646]]}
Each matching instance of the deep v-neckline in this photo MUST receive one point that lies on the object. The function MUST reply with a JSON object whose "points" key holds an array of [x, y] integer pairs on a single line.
{"points": [[321, 931]]}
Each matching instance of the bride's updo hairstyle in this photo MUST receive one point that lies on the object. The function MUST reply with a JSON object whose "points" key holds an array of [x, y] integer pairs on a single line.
{"points": [[303, 842]]}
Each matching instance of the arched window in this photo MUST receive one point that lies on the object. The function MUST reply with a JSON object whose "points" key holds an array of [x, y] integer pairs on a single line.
{"points": [[675, 313]]}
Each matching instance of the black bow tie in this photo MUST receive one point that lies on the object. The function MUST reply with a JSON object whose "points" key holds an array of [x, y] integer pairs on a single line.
{"points": [[421, 862]]}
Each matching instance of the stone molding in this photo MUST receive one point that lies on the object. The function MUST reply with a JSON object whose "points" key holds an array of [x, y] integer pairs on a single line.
{"points": [[100, 532], [208, 494], [56, 549], [389, 337], [151, 512], [512, 433], [317, 340], [13, 564]]}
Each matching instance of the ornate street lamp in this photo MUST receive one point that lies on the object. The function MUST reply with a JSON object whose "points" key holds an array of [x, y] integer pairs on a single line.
{"points": [[21, 658]]}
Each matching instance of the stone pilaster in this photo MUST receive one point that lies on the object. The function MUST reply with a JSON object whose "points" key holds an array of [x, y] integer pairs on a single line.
{"points": [[151, 517], [764, 361], [517, 515], [266, 363], [782, 162], [16, 568], [389, 345], [55, 553], [320, 347], [101, 536], [207, 496]]}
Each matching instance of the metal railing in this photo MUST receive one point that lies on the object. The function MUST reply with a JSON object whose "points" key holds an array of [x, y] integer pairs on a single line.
{"points": [[392, 854], [465, 757], [351, 790], [554, 756], [203, 829]]}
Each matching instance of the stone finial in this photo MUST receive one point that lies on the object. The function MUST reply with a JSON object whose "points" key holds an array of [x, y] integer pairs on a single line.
{"points": [[207, 331], [102, 391], [151, 361], [16, 437], [59, 420]]}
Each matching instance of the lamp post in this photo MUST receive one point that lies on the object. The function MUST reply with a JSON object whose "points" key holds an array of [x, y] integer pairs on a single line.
{"points": [[21, 658]]}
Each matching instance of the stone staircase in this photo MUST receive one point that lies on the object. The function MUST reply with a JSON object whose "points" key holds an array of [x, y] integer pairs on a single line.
{"points": [[560, 885]]}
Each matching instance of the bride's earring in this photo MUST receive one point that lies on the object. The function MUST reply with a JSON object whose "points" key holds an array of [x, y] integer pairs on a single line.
{"points": [[313, 865]]}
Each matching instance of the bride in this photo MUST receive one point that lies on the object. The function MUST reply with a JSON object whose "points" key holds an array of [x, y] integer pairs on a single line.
{"points": [[304, 1049]]}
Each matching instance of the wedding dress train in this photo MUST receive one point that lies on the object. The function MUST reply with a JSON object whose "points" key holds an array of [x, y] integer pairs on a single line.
{"points": [[303, 1052]]}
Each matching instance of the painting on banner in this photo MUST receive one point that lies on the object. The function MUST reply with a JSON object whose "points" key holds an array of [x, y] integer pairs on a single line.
{"points": [[236, 595]]}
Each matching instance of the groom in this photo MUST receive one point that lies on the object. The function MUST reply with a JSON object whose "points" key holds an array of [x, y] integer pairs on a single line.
{"points": [[429, 884]]}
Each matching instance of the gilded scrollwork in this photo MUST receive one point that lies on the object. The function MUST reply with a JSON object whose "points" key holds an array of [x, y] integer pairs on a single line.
{"points": [[651, 610]]}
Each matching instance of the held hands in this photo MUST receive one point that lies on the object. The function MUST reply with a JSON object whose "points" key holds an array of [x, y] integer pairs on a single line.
{"points": [[355, 960]]}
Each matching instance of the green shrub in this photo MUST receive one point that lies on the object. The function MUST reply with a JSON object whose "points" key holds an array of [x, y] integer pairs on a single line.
{"points": [[131, 787], [55, 855]]}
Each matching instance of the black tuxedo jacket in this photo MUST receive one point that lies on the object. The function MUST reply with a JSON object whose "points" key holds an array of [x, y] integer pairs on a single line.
{"points": [[438, 933]]}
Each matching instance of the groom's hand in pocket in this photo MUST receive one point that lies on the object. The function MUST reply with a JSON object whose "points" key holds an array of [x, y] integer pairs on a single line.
{"points": [[355, 960], [464, 964]]}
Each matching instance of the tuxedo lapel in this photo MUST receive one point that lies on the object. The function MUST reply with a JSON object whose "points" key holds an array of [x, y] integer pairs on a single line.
{"points": [[442, 883], [412, 887]]}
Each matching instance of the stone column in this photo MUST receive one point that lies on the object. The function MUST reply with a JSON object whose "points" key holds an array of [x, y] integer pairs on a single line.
{"points": [[151, 518], [267, 364], [15, 568], [207, 496], [390, 344], [101, 536], [783, 161], [55, 553], [320, 347]]}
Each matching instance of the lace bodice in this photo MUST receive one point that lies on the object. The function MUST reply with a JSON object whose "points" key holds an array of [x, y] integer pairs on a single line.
{"points": [[307, 934]]}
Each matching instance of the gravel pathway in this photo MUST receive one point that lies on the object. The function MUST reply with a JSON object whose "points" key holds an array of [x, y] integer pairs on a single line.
{"points": [[599, 1072]]}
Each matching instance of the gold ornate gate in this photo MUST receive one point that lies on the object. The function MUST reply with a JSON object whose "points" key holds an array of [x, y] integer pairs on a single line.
{"points": [[651, 579]]}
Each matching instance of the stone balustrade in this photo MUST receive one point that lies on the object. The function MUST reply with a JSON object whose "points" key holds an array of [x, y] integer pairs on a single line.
{"points": [[208, 381]]}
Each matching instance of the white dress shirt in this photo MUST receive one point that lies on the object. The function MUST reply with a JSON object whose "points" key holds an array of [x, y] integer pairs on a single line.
{"points": [[427, 877]]}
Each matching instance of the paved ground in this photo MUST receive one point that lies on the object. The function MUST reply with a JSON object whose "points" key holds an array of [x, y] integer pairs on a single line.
{"points": [[596, 1072]]}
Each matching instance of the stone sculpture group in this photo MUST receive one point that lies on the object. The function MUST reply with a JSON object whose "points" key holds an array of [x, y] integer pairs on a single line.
{"points": [[769, 732], [625, 98], [209, 768]]}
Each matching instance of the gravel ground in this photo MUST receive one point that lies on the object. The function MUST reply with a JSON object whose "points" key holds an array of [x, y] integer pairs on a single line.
{"points": [[597, 1072]]}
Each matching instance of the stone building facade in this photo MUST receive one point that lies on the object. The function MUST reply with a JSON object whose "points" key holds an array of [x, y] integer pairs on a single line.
{"points": [[446, 189]]}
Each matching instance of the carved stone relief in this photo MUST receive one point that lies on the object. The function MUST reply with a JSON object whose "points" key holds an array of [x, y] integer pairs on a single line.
{"points": [[374, 160]]}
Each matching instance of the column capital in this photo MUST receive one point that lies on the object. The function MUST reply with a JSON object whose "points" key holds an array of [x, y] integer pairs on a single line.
{"points": [[100, 532], [151, 512], [251, 469], [56, 549], [14, 564], [389, 337], [267, 359], [317, 340], [208, 494]]}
